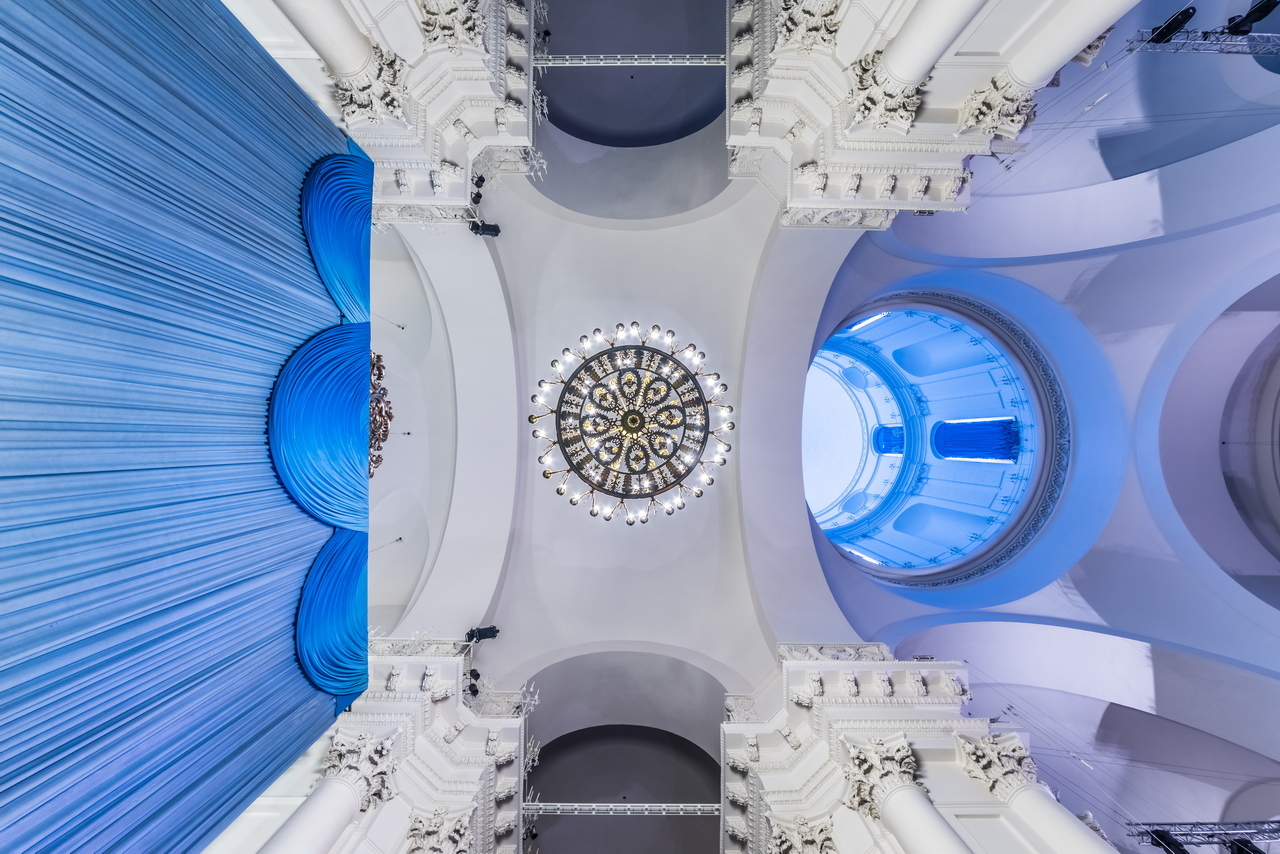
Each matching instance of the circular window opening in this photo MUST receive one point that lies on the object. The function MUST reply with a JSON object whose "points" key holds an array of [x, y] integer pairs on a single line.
{"points": [[934, 440]]}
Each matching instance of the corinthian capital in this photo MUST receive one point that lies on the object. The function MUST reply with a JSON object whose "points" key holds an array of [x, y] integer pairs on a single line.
{"points": [[877, 769], [374, 92], [877, 99], [1002, 764], [366, 763], [1003, 108]]}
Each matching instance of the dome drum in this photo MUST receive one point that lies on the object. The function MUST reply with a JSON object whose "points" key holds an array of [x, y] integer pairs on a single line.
{"points": [[935, 439]]}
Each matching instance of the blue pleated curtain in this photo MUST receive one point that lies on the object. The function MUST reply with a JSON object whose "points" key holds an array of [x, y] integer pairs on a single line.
{"points": [[154, 278]]}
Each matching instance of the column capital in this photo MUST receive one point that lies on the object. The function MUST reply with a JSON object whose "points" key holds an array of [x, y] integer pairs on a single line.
{"points": [[366, 763], [1004, 108], [436, 834], [802, 837], [374, 92], [1003, 765], [878, 769], [880, 99]]}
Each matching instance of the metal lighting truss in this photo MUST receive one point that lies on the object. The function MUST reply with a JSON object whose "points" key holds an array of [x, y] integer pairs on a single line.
{"points": [[1210, 41], [1208, 832], [596, 59], [534, 809]]}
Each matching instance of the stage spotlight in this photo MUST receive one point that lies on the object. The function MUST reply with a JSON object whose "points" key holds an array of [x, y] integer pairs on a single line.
{"points": [[1242, 846], [479, 634], [473, 690], [485, 229], [1164, 841], [1242, 25], [474, 674], [1170, 28], [476, 197], [478, 181]]}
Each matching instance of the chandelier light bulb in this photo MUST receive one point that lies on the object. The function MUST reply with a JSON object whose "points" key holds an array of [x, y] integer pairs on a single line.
{"points": [[631, 423]]}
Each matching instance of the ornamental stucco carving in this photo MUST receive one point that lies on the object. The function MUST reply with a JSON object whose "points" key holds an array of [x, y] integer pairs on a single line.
{"points": [[380, 414], [811, 690], [452, 23], [1090, 52], [437, 834], [1002, 764], [413, 646], [802, 837], [1002, 109], [878, 100], [807, 24], [374, 93], [869, 218], [875, 770], [366, 763]]}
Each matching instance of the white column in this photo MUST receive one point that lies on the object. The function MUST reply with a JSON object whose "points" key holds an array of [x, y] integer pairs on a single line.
{"points": [[1055, 823], [924, 37], [316, 825], [1005, 767], [357, 778], [328, 28], [915, 822], [1060, 39], [882, 777]]}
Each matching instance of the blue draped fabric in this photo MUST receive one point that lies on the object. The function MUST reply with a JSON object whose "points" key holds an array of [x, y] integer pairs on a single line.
{"points": [[337, 203], [333, 617], [154, 278], [985, 439], [319, 426]]}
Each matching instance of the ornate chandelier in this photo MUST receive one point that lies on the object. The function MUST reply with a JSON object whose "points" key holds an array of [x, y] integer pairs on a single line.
{"points": [[633, 422], [380, 416]]}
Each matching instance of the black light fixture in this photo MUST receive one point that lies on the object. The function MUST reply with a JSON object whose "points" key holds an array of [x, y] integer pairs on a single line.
{"points": [[473, 690], [476, 197], [1243, 846], [1242, 25], [474, 674], [1164, 841], [1164, 33], [478, 181], [485, 229], [485, 633]]}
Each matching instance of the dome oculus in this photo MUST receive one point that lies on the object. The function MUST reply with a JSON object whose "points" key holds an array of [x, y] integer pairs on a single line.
{"points": [[935, 439], [634, 421]]}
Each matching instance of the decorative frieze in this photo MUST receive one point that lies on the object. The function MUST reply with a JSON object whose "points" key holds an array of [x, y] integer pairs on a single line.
{"points": [[422, 214], [868, 218], [1004, 108], [375, 93], [366, 763], [875, 770], [1002, 764], [879, 101], [834, 652], [414, 646]]}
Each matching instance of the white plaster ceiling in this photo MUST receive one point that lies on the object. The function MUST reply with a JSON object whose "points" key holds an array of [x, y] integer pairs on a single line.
{"points": [[1141, 266]]}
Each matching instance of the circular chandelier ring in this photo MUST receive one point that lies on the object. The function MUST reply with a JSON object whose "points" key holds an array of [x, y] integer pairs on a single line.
{"points": [[633, 422]]}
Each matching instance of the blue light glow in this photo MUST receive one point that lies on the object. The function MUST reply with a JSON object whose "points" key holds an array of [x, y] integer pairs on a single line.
{"points": [[920, 443]]}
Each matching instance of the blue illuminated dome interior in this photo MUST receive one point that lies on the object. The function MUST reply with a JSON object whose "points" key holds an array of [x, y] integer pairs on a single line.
{"points": [[922, 442]]}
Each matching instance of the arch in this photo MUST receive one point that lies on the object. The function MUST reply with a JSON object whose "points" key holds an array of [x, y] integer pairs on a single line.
{"points": [[631, 688]]}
